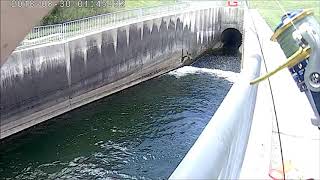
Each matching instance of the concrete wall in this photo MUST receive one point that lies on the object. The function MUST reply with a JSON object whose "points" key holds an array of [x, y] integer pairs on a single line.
{"points": [[42, 82]]}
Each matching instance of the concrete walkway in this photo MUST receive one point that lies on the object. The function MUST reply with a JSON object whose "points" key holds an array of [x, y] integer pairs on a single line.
{"points": [[280, 105]]}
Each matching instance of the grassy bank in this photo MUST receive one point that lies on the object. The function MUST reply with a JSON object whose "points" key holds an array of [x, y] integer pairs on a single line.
{"points": [[63, 14], [272, 13]]}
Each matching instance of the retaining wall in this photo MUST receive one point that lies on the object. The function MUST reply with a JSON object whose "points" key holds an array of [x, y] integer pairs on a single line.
{"points": [[45, 81]]}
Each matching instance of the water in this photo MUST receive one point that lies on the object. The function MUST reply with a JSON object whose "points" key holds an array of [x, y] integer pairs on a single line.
{"points": [[140, 133]]}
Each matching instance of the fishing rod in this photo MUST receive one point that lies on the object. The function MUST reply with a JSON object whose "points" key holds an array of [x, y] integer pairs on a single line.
{"points": [[298, 35]]}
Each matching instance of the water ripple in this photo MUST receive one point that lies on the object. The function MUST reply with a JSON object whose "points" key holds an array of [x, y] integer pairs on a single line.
{"points": [[140, 133]]}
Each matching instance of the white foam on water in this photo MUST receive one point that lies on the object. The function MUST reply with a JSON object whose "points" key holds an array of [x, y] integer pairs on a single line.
{"points": [[187, 70]]}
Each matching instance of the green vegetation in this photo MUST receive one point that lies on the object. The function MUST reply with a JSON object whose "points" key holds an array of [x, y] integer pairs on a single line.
{"points": [[272, 13], [269, 9], [74, 11]]}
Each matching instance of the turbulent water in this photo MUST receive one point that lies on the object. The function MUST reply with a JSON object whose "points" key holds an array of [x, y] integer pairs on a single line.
{"points": [[139, 133]]}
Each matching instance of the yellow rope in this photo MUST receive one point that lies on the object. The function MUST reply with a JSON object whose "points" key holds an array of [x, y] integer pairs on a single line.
{"points": [[298, 56]]}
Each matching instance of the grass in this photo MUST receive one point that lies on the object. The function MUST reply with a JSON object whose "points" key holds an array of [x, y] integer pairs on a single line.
{"points": [[146, 3], [272, 13], [63, 14]]}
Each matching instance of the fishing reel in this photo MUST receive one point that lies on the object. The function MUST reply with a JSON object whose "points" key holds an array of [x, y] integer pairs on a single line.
{"points": [[307, 37], [299, 37]]}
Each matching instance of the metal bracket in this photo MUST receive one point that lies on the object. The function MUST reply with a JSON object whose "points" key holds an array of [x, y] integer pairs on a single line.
{"points": [[312, 72]]}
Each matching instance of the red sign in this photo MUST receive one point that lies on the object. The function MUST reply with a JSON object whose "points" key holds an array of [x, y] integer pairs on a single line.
{"points": [[233, 3]]}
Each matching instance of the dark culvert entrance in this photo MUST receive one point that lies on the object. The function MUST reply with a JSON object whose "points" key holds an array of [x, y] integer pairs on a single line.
{"points": [[231, 39], [230, 42]]}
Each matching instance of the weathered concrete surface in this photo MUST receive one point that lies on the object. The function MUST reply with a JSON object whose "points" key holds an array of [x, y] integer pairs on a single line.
{"points": [[46, 81], [258, 153], [291, 111], [15, 25]]}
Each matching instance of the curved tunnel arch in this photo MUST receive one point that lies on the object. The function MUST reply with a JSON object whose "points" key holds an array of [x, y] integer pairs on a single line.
{"points": [[231, 38]]}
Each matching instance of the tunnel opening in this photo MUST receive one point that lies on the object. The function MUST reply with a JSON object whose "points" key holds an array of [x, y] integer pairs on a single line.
{"points": [[231, 39], [229, 44]]}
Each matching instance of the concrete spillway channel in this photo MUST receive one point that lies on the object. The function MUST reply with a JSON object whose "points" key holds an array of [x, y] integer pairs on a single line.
{"points": [[45, 81]]}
